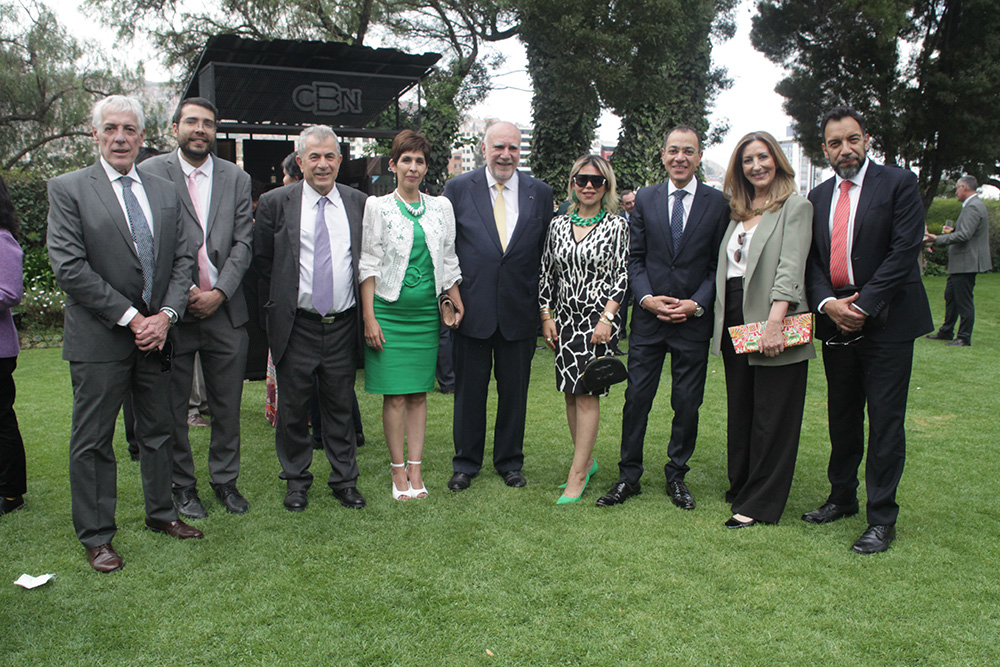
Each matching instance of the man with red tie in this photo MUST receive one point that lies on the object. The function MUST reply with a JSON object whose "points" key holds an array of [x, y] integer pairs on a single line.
{"points": [[863, 277]]}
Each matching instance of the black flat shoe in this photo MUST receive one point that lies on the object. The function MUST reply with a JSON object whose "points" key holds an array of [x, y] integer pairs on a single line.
{"points": [[875, 539], [10, 505], [350, 497], [830, 512], [296, 501], [514, 478], [733, 522], [619, 493]]}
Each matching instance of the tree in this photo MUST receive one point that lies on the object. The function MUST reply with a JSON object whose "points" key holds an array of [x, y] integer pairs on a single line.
{"points": [[925, 74], [48, 84]]}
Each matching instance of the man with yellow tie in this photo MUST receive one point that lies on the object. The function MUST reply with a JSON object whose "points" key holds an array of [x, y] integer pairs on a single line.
{"points": [[501, 218]]}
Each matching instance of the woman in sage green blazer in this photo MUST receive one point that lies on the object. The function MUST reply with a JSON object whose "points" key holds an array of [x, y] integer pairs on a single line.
{"points": [[761, 278]]}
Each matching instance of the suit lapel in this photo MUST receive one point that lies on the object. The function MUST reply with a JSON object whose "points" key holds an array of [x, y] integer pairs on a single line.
{"points": [[482, 199], [661, 215], [821, 214], [156, 202], [105, 192], [768, 223], [525, 207], [292, 210], [177, 176], [220, 183], [872, 182]]}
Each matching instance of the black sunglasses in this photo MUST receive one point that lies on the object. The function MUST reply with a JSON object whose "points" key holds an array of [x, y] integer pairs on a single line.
{"points": [[595, 180], [741, 239]]}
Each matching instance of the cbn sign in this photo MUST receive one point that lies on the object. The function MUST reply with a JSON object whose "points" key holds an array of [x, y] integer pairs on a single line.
{"points": [[327, 99]]}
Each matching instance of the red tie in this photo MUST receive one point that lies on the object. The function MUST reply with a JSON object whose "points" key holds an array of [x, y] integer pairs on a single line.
{"points": [[838, 239]]}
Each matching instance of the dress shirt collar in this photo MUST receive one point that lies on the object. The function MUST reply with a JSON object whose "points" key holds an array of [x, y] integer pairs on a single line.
{"points": [[206, 167], [510, 185], [968, 199], [691, 188], [858, 178], [310, 197], [114, 174]]}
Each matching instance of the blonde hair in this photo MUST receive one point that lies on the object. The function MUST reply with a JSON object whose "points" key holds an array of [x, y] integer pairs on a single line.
{"points": [[741, 191], [610, 201]]}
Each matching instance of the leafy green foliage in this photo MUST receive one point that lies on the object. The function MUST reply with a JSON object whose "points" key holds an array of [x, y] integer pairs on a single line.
{"points": [[926, 75], [29, 194], [49, 81]]}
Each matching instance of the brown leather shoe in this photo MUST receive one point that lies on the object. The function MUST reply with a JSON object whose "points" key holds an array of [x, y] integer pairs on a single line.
{"points": [[177, 529], [104, 559]]}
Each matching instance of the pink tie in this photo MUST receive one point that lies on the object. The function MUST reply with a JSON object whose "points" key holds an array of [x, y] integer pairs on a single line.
{"points": [[838, 238], [204, 282]]}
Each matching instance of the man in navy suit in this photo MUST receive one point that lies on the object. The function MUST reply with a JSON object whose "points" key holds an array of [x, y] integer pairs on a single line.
{"points": [[675, 231], [501, 218], [863, 279]]}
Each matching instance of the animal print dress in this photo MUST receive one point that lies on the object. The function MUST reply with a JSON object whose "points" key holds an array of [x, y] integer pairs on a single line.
{"points": [[577, 280]]}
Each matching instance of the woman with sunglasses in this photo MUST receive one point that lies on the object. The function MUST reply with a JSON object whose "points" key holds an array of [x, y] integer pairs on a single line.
{"points": [[583, 281], [407, 259], [761, 277]]}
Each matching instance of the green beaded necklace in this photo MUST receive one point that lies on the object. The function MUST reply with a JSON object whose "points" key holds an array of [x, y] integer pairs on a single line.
{"points": [[575, 218]]}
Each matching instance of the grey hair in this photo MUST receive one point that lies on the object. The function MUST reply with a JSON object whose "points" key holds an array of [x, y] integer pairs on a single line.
{"points": [[118, 104], [969, 182], [318, 132]]}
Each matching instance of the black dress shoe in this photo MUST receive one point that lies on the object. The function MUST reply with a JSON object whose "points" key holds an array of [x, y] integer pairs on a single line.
{"points": [[679, 494], [830, 512], [10, 505], [937, 335], [188, 503], [619, 493], [514, 478], [296, 501], [733, 522], [350, 497], [460, 481], [361, 439], [231, 497], [959, 342], [874, 540]]}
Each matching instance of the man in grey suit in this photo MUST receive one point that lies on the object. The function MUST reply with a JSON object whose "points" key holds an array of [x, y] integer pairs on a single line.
{"points": [[306, 246], [968, 254], [217, 214], [119, 252]]}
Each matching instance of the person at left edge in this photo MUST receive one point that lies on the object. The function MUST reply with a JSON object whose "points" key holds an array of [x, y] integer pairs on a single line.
{"points": [[119, 251], [217, 213], [307, 243]]}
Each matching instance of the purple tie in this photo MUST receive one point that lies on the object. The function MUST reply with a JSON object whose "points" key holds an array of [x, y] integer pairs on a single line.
{"points": [[322, 263]]}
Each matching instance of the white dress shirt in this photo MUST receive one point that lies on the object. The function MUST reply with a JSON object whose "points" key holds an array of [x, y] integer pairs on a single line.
{"points": [[340, 248], [691, 188], [509, 200]]}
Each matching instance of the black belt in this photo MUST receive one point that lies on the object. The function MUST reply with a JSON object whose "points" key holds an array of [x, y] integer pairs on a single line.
{"points": [[328, 319]]}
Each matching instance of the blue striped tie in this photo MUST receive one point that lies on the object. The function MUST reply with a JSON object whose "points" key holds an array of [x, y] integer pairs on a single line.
{"points": [[142, 236], [677, 218]]}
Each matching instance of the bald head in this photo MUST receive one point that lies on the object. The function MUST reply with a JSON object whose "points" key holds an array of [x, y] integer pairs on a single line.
{"points": [[502, 150]]}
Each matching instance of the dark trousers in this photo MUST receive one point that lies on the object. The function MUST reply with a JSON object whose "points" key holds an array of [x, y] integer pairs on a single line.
{"points": [[223, 352], [688, 365], [327, 351], [958, 302], [474, 363], [316, 419], [445, 371], [765, 405], [876, 374], [13, 469], [98, 390]]}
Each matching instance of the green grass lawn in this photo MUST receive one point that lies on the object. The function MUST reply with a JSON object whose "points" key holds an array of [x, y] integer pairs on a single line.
{"points": [[499, 576]]}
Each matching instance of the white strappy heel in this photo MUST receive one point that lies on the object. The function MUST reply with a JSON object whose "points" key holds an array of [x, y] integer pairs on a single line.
{"points": [[421, 493], [405, 494]]}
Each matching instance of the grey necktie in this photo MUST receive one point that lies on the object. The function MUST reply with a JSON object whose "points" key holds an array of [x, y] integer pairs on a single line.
{"points": [[322, 263], [141, 235], [677, 218]]}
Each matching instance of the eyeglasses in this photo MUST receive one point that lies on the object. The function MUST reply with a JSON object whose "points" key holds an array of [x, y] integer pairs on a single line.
{"points": [[596, 180], [842, 342], [741, 239]]}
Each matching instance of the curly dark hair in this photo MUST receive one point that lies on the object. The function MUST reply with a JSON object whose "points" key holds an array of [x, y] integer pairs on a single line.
{"points": [[8, 216]]}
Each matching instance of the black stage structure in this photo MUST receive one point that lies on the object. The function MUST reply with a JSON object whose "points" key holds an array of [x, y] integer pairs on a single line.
{"points": [[267, 92]]}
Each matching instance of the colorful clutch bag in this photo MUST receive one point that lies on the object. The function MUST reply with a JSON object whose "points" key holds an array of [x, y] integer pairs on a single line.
{"points": [[797, 330]]}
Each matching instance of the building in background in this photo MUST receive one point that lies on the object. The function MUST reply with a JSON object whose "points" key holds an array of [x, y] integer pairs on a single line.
{"points": [[807, 174]]}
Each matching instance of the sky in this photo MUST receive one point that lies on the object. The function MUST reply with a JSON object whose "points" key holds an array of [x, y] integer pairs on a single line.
{"points": [[750, 104]]}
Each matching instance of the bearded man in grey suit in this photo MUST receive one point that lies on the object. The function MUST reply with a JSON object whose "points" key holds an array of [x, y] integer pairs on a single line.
{"points": [[307, 242], [217, 214], [968, 254], [119, 252]]}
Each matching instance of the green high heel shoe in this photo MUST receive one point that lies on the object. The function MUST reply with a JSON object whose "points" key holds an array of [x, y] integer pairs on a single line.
{"points": [[565, 500]]}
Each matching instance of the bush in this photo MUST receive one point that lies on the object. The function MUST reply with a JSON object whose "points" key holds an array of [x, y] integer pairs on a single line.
{"points": [[31, 203]]}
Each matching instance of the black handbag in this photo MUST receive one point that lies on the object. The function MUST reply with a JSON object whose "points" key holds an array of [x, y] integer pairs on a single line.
{"points": [[602, 372]]}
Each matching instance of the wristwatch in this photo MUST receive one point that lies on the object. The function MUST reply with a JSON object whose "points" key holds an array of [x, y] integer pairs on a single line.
{"points": [[698, 310]]}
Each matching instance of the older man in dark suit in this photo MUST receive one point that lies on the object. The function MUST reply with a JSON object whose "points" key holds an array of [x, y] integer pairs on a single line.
{"points": [[868, 226], [216, 211], [306, 247], [968, 254], [119, 252], [675, 231], [501, 218]]}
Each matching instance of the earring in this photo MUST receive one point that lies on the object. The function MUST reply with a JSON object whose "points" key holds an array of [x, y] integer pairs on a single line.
{"points": [[575, 200]]}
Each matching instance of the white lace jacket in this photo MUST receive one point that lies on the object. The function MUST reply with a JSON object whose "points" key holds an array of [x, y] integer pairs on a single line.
{"points": [[387, 238]]}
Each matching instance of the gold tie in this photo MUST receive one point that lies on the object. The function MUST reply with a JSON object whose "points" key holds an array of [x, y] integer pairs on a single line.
{"points": [[500, 216]]}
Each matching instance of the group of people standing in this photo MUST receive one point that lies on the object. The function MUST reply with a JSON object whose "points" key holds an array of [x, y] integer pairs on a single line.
{"points": [[143, 252]]}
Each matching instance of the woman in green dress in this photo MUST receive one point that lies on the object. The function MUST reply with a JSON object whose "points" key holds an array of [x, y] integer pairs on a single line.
{"points": [[407, 260]]}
